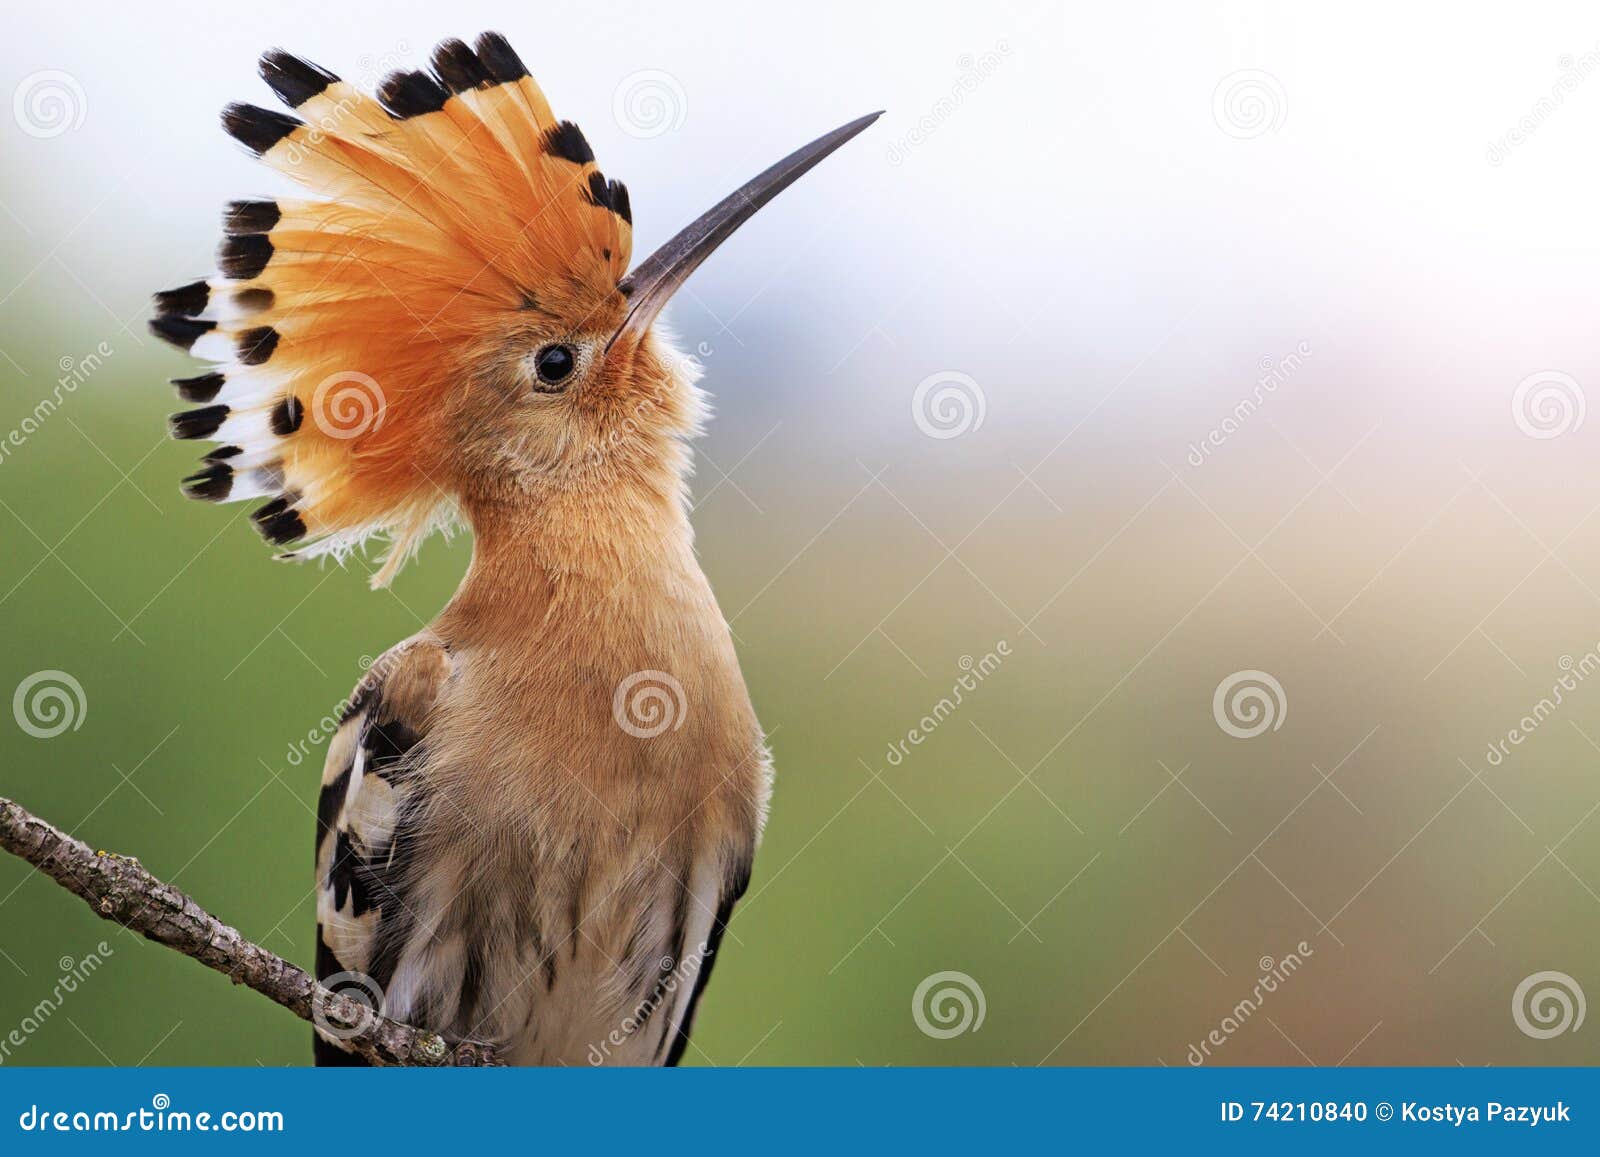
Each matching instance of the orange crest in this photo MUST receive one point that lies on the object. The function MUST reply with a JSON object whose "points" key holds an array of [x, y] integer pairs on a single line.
{"points": [[441, 212]]}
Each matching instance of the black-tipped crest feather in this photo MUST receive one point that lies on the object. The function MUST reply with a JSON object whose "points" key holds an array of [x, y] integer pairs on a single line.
{"points": [[499, 58], [611, 195], [201, 423], [566, 140], [182, 332], [213, 484], [620, 205], [250, 216], [458, 67], [293, 79], [258, 129], [277, 523], [244, 256], [411, 94], [199, 390], [287, 416], [256, 345], [185, 301]]}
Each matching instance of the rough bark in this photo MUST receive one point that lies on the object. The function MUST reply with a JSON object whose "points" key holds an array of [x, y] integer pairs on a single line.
{"points": [[119, 889]]}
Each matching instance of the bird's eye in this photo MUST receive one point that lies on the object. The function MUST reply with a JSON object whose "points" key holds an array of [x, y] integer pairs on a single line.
{"points": [[554, 364]]}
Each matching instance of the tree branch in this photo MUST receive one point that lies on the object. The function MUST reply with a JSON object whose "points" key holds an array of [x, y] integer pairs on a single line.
{"points": [[119, 889]]}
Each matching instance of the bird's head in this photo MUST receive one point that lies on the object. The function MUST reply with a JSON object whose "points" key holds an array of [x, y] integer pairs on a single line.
{"points": [[585, 385], [451, 324]]}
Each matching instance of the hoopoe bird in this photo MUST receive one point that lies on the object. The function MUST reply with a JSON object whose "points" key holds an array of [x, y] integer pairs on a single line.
{"points": [[538, 812]]}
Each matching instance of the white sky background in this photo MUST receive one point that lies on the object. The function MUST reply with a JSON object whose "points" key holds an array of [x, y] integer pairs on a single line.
{"points": [[1079, 215]]}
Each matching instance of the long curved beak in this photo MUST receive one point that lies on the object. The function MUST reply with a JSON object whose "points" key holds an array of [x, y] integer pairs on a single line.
{"points": [[654, 280]]}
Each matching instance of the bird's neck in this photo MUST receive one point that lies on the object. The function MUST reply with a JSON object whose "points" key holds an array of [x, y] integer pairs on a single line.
{"points": [[621, 554]]}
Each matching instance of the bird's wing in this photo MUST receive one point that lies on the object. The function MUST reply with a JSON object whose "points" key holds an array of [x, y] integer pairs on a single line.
{"points": [[367, 815], [733, 886]]}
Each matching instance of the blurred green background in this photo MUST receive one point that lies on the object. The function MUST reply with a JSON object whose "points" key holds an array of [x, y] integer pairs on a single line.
{"points": [[1061, 207]]}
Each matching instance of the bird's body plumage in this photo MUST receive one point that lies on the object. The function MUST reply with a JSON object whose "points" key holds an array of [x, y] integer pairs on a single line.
{"points": [[538, 812], [502, 858]]}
